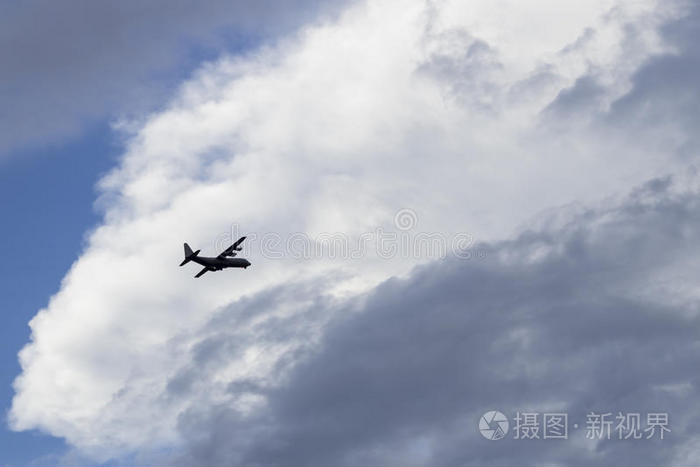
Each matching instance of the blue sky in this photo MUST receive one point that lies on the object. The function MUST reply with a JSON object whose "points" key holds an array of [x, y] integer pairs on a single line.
{"points": [[49, 195], [48, 180], [537, 163]]}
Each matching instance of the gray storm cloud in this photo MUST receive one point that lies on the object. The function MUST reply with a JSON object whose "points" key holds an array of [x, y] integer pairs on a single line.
{"points": [[591, 316], [512, 128]]}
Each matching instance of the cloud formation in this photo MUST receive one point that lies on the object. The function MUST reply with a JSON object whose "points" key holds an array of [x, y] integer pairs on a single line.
{"points": [[476, 122], [599, 315], [65, 64]]}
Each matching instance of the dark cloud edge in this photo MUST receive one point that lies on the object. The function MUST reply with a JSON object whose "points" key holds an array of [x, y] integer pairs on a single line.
{"points": [[585, 316]]}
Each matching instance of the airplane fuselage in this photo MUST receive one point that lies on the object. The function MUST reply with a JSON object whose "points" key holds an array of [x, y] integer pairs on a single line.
{"points": [[217, 264], [223, 261]]}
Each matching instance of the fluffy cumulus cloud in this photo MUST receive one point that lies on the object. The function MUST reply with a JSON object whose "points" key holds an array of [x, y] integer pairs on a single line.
{"points": [[460, 128], [65, 64], [575, 318]]}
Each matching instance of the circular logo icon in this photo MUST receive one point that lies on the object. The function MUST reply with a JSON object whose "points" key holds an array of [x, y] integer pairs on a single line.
{"points": [[493, 425], [405, 219]]}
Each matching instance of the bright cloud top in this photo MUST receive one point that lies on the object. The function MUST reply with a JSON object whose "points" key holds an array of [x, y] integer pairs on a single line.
{"points": [[451, 110]]}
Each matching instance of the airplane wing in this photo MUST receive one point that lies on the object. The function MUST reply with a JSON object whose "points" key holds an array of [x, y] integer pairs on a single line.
{"points": [[200, 273], [233, 248]]}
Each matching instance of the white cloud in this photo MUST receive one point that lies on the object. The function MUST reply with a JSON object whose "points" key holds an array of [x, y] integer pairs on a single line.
{"points": [[404, 377], [69, 62], [436, 107]]}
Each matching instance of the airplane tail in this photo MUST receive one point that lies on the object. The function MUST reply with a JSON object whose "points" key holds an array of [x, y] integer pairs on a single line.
{"points": [[189, 254]]}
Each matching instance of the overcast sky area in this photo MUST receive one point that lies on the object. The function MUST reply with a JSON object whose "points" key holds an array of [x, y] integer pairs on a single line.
{"points": [[451, 208]]}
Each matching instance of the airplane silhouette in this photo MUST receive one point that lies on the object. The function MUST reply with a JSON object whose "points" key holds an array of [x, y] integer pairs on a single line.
{"points": [[224, 260]]}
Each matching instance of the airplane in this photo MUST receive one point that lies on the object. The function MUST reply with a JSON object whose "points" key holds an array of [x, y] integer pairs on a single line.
{"points": [[224, 260]]}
